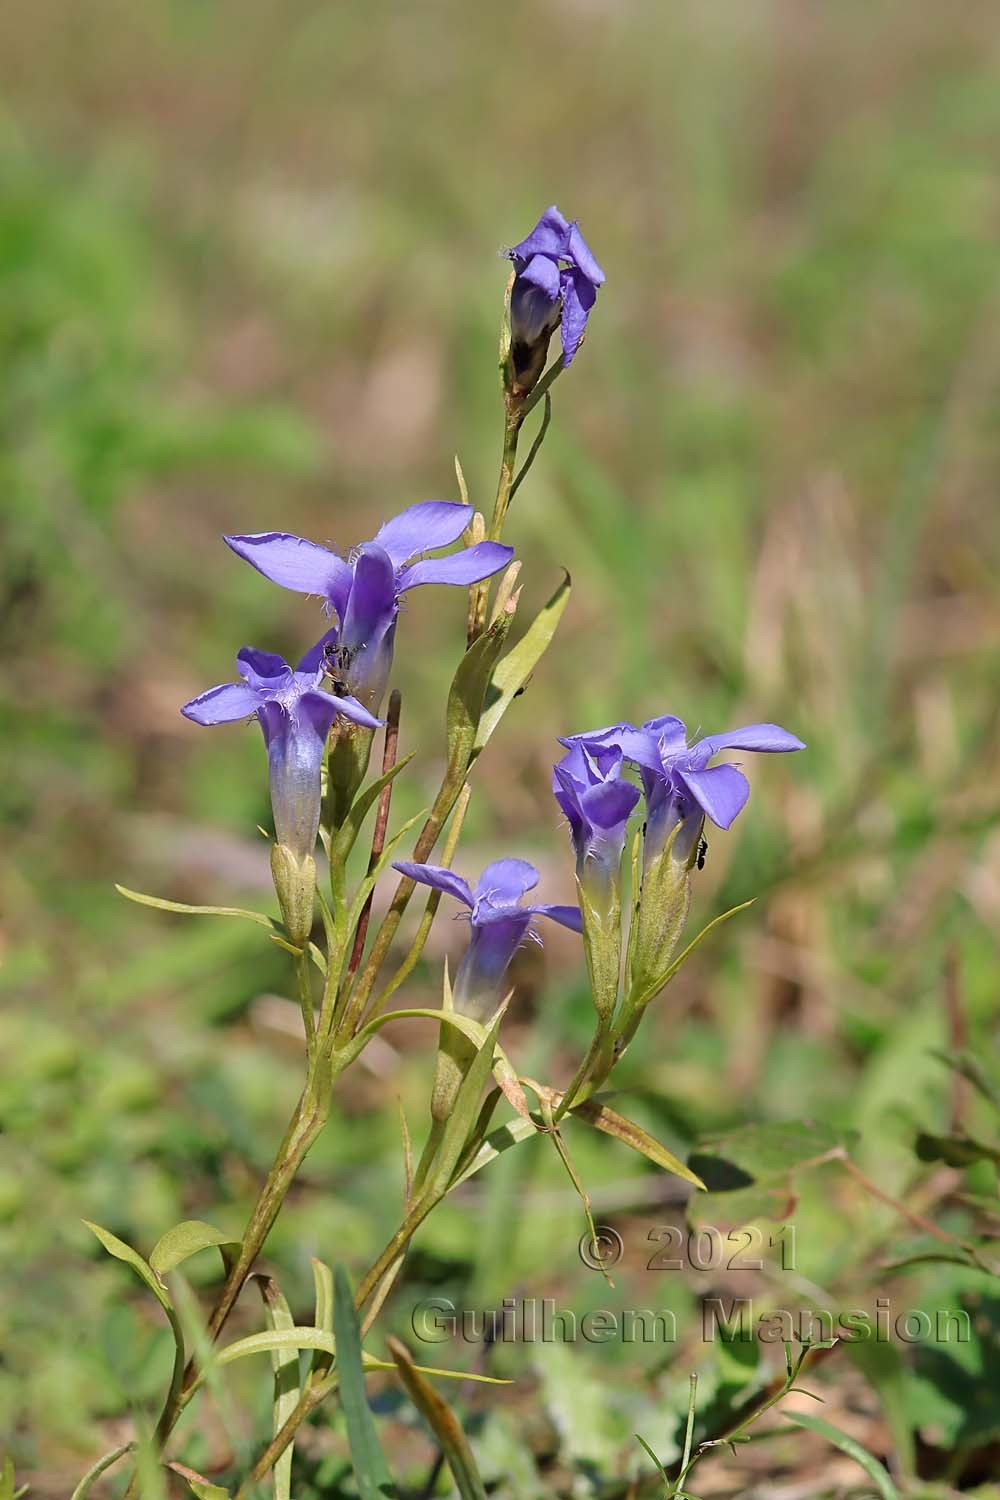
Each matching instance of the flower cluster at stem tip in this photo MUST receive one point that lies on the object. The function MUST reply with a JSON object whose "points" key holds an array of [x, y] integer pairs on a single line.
{"points": [[338, 687]]}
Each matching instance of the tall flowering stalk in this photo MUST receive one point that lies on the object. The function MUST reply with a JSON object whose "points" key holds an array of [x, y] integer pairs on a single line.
{"points": [[330, 707]]}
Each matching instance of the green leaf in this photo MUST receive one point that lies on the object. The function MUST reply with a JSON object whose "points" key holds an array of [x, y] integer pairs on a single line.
{"points": [[367, 885], [121, 1251], [463, 1115], [657, 987], [468, 692], [594, 1112], [370, 1471], [875, 1471], [348, 832], [277, 931], [442, 1422], [323, 1318], [162, 904], [323, 1279], [495, 1144], [285, 1364], [661, 1470], [96, 1470], [475, 1032], [186, 1239], [275, 1338], [510, 675]]}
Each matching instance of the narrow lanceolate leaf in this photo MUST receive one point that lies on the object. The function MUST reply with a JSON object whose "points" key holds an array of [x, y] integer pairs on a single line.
{"points": [[118, 1248], [463, 1116], [597, 1114], [495, 1144], [510, 675], [96, 1470], [875, 1471], [370, 1471], [285, 1364], [277, 931], [664, 979], [442, 1422], [323, 1280], [468, 692], [360, 808], [162, 904], [186, 1239]]}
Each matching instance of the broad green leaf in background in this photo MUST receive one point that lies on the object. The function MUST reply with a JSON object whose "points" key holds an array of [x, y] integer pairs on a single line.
{"points": [[750, 1173], [511, 673], [875, 1471], [956, 1150], [370, 1470]]}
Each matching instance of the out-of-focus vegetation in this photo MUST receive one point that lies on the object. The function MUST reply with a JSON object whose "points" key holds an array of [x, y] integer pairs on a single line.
{"points": [[248, 280]]}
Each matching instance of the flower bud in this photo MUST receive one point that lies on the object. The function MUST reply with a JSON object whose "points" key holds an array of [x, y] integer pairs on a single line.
{"points": [[660, 915], [295, 883]]}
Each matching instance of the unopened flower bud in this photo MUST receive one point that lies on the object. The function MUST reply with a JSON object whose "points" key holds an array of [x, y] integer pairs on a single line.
{"points": [[295, 883]]}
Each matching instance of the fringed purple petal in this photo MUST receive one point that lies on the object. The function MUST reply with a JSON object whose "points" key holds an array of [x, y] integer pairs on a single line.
{"points": [[721, 792], [505, 881], [295, 564], [423, 528], [222, 705], [438, 878], [566, 916], [461, 568]]}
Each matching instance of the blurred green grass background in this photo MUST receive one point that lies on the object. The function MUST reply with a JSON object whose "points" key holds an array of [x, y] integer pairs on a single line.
{"points": [[249, 279]]}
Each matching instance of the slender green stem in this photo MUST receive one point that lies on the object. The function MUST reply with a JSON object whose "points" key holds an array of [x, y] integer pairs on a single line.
{"points": [[522, 472], [543, 387], [515, 412], [445, 800], [595, 1052], [304, 979], [430, 911], [306, 1125]]}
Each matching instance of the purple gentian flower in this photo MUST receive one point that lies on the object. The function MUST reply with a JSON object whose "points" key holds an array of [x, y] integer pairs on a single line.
{"points": [[295, 716], [499, 922], [588, 786], [364, 592], [556, 282], [681, 787]]}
